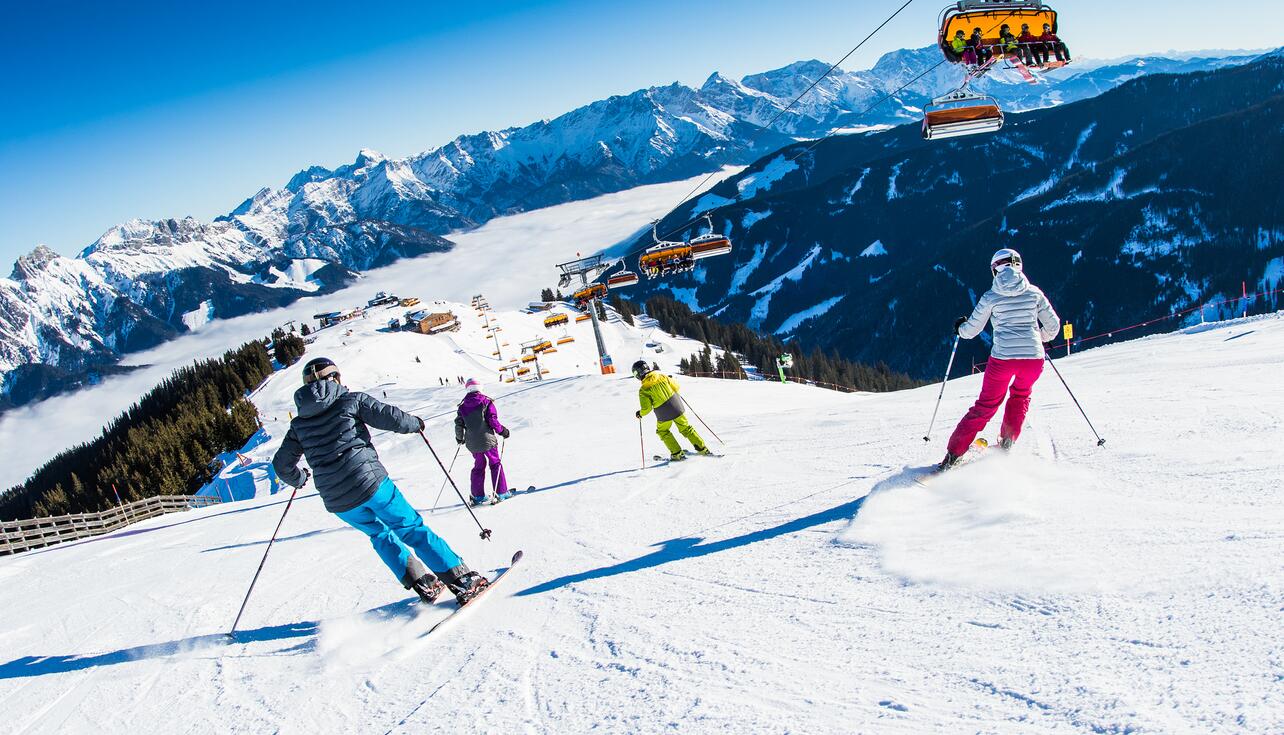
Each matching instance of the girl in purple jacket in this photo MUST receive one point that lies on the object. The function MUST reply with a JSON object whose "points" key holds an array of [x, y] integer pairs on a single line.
{"points": [[476, 427]]}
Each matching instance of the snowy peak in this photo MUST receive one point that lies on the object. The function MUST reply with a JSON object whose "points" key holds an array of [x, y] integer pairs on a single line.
{"points": [[32, 263], [307, 176]]}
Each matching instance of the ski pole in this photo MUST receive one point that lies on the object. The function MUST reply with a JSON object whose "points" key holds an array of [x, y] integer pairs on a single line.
{"points": [[702, 423], [948, 366], [485, 532], [641, 442], [494, 477], [1100, 441], [443, 482], [232, 633]]}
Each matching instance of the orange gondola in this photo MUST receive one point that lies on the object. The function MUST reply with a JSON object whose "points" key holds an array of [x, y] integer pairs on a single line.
{"points": [[589, 293], [990, 16]]}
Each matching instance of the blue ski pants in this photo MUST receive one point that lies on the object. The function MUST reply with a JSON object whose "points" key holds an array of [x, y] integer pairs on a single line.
{"points": [[393, 525]]}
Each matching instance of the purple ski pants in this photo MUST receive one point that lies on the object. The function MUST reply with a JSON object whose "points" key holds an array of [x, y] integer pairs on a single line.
{"points": [[480, 460]]}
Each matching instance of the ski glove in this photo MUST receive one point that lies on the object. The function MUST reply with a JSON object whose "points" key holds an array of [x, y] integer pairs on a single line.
{"points": [[637, 414], [421, 424], [505, 433], [306, 476], [958, 323]]}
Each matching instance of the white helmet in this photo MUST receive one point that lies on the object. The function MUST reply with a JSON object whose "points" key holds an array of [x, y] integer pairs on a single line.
{"points": [[1005, 257]]}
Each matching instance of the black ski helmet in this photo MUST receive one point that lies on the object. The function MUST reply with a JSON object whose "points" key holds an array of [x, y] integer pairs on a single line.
{"points": [[320, 368], [641, 369]]}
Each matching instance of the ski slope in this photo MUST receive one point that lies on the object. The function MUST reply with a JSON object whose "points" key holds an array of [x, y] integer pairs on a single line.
{"points": [[801, 584]]}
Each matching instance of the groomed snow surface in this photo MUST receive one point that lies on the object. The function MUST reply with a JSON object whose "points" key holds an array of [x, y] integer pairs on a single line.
{"points": [[801, 584]]}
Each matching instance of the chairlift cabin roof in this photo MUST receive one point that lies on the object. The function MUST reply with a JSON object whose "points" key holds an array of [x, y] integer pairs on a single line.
{"points": [[990, 17]]}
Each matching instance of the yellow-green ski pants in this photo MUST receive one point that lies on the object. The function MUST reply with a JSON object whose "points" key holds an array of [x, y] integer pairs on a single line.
{"points": [[684, 428]]}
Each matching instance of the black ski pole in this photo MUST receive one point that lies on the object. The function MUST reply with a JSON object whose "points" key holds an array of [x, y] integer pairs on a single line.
{"points": [[1100, 441], [232, 633], [485, 532], [948, 366], [443, 482], [641, 442], [702, 423]]}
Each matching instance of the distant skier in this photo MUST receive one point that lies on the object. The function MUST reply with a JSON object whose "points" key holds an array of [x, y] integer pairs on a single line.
{"points": [[476, 424], [1023, 320], [332, 433], [659, 393]]}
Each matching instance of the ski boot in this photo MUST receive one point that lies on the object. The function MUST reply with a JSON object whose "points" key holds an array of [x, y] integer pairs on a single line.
{"points": [[678, 457], [1006, 442], [478, 502], [423, 582], [950, 461], [465, 584], [704, 452], [505, 495]]}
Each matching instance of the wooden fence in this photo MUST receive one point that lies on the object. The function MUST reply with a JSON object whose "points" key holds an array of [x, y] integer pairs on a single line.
{"points": [[34, 533]]}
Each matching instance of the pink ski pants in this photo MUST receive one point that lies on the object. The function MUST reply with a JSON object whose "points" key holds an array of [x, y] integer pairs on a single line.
{"points": [[999, 375]]}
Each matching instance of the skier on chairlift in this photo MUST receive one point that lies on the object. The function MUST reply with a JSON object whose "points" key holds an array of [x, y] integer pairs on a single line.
{"points": [[1022, 320], [332, 432]]}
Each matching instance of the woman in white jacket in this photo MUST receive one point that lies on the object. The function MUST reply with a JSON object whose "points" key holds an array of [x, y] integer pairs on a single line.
{"points": [[1023, 320]]}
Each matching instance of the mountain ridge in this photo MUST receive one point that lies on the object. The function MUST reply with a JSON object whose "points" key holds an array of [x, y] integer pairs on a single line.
{"points": [[152, 280]]}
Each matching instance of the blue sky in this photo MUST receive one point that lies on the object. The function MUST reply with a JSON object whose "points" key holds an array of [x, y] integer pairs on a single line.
{"points": [[164, 109]]}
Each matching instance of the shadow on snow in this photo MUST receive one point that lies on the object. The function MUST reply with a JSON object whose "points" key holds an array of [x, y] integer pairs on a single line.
{"points": [[689, 548], [193, 647]]}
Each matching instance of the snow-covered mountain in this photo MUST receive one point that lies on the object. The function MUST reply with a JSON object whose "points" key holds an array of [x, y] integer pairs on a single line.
{"points": [[1156, 196], [803, 583], [144, 282]]}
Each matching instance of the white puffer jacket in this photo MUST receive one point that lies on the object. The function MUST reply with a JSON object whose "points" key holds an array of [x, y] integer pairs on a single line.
{"points": [[1022, 316]]}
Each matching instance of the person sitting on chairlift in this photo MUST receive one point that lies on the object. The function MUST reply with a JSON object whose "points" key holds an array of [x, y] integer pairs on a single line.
{"points": [[1011, 48], [983, 52], [1035, 51], [960, 48], [1054, 44]]}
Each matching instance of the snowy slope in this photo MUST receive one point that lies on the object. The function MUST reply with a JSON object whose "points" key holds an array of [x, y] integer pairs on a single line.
{"points": [[801, 584], [510, 259]]}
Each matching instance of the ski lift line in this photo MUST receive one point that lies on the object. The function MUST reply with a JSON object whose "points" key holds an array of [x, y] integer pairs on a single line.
{"points": [[887, 97], [775, 119]]}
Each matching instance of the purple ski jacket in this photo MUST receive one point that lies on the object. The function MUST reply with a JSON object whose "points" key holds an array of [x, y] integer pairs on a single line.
{"points": [[477, 423]]}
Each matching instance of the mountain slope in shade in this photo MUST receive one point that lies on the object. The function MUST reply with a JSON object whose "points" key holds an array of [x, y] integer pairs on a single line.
{"points": [[1149, 198], [152, 280]]}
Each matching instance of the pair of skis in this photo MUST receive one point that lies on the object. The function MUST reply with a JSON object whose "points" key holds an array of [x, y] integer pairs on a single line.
{"points": [[974, 452], [496, 500], [454, 614], [660, 460]]}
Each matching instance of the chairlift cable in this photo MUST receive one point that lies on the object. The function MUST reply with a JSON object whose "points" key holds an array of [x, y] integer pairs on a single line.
{"points": [[797, 98]]}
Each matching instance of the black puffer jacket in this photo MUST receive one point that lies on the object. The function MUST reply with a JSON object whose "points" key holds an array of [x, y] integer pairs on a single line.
{"points": [[331, 432]]}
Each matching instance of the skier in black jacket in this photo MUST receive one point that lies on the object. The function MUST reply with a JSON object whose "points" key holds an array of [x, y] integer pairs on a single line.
{"points": [[331, 432]]}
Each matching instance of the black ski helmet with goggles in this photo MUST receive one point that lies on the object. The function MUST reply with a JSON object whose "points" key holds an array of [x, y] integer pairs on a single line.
{"points": [[641, 369], [320, 368]]}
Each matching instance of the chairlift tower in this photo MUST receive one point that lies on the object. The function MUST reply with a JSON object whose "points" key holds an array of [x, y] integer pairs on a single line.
{"points": [[530, 347], [587, 270]]}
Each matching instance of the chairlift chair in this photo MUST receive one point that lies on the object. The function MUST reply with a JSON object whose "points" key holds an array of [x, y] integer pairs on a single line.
{"points": [[709, 244], [961, 112]]}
